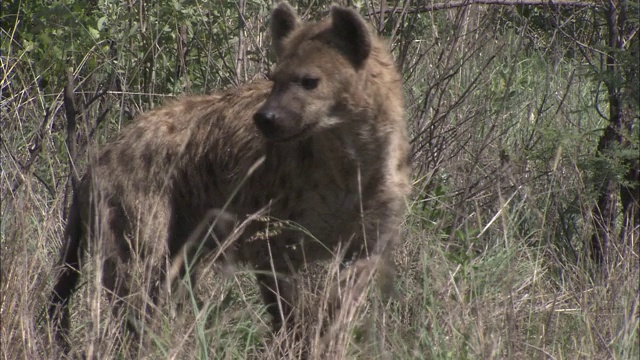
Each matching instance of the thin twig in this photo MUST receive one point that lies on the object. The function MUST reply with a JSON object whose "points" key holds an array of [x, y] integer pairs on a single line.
{"points": [[34, 152]]}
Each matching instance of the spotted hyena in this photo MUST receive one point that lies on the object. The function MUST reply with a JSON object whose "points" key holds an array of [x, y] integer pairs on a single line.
{"points": [[322, 145]]}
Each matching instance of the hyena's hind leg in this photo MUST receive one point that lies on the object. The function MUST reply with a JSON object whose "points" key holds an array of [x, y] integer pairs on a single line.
{"points": [[117, 288], [66, 281], [131, 299], [135, 310], [208, 240]]}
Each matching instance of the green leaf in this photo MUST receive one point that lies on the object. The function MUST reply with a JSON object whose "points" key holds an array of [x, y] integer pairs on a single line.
{"points": [[101, 22], [93, 32]]}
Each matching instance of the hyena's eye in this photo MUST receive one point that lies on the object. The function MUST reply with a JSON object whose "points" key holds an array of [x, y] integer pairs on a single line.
{"points": [[309, 83]]}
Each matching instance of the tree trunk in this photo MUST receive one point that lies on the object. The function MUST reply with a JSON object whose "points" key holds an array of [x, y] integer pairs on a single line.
{"points": [[617, 137], [604, 212], [630, 189]]}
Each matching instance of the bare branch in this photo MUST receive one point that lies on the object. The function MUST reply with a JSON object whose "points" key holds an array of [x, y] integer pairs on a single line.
{"points": [[70, 110], [462, 3]]}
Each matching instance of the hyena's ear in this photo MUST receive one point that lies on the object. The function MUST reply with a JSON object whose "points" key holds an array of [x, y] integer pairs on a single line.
{"points": [[351, 34], [284, 20]]}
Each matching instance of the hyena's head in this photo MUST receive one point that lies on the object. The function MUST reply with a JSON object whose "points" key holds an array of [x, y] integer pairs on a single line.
{"points": [[318, 80]]}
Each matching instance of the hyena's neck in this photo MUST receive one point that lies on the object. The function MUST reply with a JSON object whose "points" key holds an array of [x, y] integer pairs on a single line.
{"points": [[341, 155]]}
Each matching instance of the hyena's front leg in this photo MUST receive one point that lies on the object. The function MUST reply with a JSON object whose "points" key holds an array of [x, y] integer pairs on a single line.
{"points": [[275, 263], [278, 293], [369, 257]]}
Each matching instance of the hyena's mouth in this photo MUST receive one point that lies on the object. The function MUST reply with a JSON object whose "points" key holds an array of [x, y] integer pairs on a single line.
{"points": [[285, 136]]}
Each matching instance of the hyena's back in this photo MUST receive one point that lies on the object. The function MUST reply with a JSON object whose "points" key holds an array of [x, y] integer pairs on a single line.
{"points": [[135, 175]]}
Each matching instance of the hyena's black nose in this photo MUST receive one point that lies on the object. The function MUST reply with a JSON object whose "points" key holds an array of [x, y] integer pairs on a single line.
{"points": [[266, 121]]}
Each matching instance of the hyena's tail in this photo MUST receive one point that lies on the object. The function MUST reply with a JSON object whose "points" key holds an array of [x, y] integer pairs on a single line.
{"points": [[69, 271]]}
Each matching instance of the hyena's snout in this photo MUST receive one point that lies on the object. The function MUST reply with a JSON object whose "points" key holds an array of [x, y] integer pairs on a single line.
{"points": [[267, 122], [277, 123]]}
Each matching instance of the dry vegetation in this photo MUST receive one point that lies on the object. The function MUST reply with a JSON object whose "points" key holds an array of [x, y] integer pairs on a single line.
{"points": [[506, 108]]}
